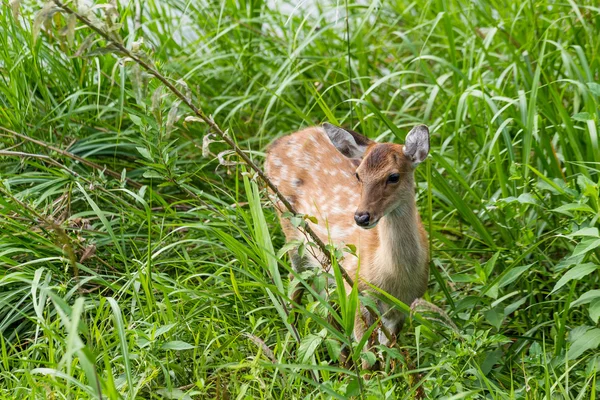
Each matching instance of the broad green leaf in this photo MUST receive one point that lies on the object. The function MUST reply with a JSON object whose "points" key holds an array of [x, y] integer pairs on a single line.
{"points": [[136, 120], [582, 116], [288, 246], [308, 346], [527, 198], [151, 174], [588, 187], [593, 232], [494, 317], [369, 357], [177, 345], [163, 329], [594, 88], [587, 297], [513, 275], [585, 246], [514, 306], [594, 310], [587, 341], [333, 348], [568, 208], [576, 273], [144, 152]]}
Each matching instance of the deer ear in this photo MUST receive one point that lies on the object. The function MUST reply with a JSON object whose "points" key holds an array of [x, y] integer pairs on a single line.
{"points": [[416, 146], [350, 144]]}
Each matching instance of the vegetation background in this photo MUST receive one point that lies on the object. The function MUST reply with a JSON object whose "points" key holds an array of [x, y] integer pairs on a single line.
{"points": [[140, 259]]}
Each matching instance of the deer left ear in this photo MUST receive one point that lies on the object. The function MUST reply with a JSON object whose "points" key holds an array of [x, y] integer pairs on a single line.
{"points": [[416, 146], [349, 143]]}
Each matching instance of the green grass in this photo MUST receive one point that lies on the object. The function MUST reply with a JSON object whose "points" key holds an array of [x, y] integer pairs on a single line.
{"points": [[169, 284]]}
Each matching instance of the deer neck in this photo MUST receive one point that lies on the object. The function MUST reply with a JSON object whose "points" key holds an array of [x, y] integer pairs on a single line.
{"points": [[400, 247]]}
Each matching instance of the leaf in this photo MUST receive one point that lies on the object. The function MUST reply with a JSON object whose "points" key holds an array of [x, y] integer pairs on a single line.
{"points": [[535, 350], [513, 275], [156, 104], [514, 306], [588, 187], [585, 232], [494, 318], [192, 118], [144, 152], [120, 325], [585, 246], [312, 219], [576, 273], [42, 16], [492, 292], [151, 174], [491, 358], [353, 388], [85, 45], [163, 329], [567, 208], [369, 357], [527, 198], [307, 348], [177, 345], [71, 22], [594, 88], [333, 348], [490, 264], [462, 278], [587, 341], [292, 244], [138, 83], [587, 297], [594, 310], [582, 116], [172, 116], [136, 120]]}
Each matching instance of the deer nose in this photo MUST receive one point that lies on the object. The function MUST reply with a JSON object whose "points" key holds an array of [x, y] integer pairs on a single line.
{"points": [[362, 218]]}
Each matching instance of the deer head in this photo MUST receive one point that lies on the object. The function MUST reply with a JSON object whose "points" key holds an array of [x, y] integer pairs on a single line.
{"points": [[385, 171]]}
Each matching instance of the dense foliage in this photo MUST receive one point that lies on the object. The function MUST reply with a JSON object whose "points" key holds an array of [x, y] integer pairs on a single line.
{"points": [[140, 259]]}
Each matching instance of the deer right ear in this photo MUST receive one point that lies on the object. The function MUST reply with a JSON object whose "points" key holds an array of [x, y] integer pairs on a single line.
{"points": [[350, 144], [416, 145]]}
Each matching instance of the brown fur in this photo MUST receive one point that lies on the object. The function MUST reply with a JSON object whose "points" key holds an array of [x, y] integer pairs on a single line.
{"points": [[306, 167]]}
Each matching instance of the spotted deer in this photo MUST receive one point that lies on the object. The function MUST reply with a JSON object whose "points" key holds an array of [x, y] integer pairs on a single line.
{"points": [[361, 193]]}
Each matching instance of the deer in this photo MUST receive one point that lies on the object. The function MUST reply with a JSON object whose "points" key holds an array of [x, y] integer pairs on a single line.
{"points": [[362, 193]]}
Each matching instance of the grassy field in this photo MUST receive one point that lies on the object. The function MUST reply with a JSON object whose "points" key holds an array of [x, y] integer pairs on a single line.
{"points": [[140, 259]]}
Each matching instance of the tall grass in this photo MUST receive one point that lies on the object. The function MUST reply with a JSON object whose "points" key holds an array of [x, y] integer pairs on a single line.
{"points": [[135, 264]]}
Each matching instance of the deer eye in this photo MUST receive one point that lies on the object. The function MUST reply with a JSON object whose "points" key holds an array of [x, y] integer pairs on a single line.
{"points": [[393, 178], [357, 177]]}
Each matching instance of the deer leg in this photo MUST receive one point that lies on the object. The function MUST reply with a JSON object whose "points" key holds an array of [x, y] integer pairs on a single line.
{"points": [[393, 322]]}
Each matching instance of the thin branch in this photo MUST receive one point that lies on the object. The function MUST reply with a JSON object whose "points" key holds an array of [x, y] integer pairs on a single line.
{"points": [[211, 123]]}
